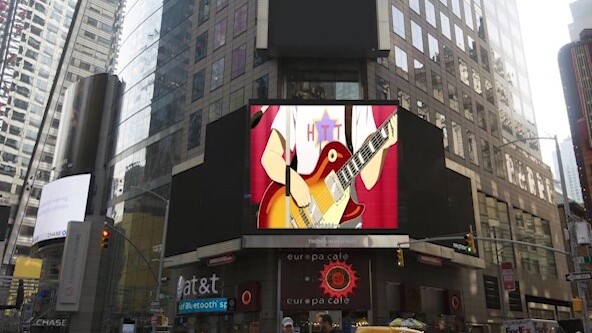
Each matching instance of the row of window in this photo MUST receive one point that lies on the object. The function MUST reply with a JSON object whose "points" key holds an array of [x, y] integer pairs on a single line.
{"points": [[259, 91]]}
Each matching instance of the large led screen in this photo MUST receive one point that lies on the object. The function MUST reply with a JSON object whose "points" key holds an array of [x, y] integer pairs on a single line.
{"points": [[62, 201], [342, 162]]}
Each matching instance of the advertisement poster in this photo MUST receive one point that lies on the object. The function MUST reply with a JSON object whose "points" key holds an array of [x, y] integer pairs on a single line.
{"points": [[324, 280], [343, 166]]}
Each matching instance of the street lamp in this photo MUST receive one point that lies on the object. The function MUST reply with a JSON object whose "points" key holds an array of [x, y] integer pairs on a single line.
{"points": [[162, 245], [570, 225]]}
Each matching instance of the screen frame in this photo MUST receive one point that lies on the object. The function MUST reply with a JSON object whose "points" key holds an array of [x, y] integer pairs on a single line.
{"points": [[250, 223]]}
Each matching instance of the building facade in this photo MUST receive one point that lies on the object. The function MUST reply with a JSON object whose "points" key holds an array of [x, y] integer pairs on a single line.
{"points": [[457, 64], [37, 40], [570, 170]]}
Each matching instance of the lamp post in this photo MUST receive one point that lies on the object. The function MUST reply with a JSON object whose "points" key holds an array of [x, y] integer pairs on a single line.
{"points": [[162, 245], [570, 226]]}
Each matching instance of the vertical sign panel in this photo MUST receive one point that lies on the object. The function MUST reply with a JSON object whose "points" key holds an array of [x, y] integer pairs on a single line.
{"points": [[73, 266]]}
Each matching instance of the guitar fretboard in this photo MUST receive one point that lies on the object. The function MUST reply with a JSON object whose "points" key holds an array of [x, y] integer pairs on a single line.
{"points": [[348, 172]]}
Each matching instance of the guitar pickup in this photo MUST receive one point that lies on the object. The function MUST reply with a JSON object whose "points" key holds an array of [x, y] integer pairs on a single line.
{"points": [[334, 186]]}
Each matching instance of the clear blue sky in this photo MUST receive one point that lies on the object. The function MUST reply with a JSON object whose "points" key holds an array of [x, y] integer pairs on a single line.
{"points": [[544, 27]]}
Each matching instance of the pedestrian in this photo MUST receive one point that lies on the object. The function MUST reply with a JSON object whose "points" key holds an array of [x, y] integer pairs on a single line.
{"points": [[287, 325], [327, 324], [347, 322]]}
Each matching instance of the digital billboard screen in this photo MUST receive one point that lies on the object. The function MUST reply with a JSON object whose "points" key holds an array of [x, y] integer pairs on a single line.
{"points": [[62, 201], [342, 162]]}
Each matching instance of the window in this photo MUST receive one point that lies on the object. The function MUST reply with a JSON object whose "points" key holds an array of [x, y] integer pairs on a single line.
{"points": [[215, 110], [419, 71], [457, 140], [201, 46], [217, 74], [423, 110], [260, 87], [239, 59], [220, 34], [441, 123], [437, 89], [197, 90], [445, 26], [220, 4], [416, 36], [414, 4], [449, 60], [203, 11], [493, 123], [402, 67], [481, 116], [194, 138], [433, 48], [404, 99], [453, 97], [468, 106], [382, 89], [258, 58], [485, 154], [459, 37], [240, 20], [456, 8], [464, 71], [489, 92], [430, 13], [484, 58], [472, 148], [398, 22], [472, 48], [476, 82], [469, 15], [384, 61]]}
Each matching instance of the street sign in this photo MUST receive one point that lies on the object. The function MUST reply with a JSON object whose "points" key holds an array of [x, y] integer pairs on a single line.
{"points": [[583, 259], [508, 276], [578, 276]]}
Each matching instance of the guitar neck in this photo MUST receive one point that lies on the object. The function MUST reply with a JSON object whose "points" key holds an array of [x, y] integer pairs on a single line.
{"points": [[350, 170]]}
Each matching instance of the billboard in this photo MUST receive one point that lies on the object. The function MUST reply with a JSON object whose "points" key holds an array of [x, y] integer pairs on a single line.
{"points": [[312, 28], [62, 200], [342, 162]]}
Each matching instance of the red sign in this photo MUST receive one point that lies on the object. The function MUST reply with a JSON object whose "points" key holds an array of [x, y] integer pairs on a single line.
{"points": [[454, 302], [221, 260], [248, 299], [324, 280], [508, 276], [318, 138]]}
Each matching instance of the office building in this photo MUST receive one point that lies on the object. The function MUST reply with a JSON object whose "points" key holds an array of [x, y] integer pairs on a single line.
{"points": [[570, 170], [581, 13], [38, 35], [459, 65]]}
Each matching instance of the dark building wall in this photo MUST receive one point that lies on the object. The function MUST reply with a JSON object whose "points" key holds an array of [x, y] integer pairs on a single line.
{"points": [[575, 66]]}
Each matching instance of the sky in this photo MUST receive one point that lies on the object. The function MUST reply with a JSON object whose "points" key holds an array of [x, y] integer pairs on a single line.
{"points": [[544, 26]]}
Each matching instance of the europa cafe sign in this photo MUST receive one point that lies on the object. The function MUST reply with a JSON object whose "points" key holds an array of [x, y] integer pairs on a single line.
{"points": [[324, 280]]}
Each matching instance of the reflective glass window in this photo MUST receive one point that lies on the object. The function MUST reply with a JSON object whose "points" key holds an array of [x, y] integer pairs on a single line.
{"points": [[217, 74], [240, 20], [417, 36], [197, 90], [453, 97], [201, 46], [220, 34], [459, 37], [194, 138], [239, 60], [260, 87], [433, 48], [437, 89], [419, 72], [430, 13], [203, 13], [445, 26], [398, 22], [402, 67]]}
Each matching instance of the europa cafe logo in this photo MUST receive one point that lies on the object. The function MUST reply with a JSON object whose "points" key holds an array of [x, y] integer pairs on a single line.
{"points": [[338, 279]]}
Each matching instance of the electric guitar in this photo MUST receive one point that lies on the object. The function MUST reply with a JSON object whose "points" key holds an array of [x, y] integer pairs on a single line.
{"points": [[329, 185]]}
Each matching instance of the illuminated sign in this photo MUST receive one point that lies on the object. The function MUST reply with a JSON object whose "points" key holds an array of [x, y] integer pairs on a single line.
{"points": [[203, 305], [197, 286], [56, 322], [324, 280], [343, 166]]}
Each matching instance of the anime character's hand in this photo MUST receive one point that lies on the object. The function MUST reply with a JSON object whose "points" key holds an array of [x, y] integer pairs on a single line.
{"points": [[299, 189], [392, 131]]}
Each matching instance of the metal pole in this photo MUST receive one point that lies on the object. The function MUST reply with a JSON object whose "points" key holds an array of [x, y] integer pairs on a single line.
{"points": [[500, 284], [161, 260], [572, 239]]}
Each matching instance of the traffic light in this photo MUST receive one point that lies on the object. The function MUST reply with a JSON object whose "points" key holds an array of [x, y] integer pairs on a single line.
{"points": [[105, 235], [400, 258], [470, 242]]}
